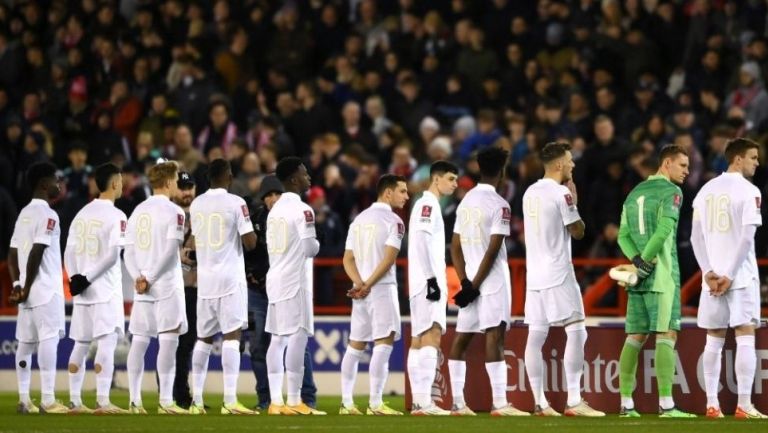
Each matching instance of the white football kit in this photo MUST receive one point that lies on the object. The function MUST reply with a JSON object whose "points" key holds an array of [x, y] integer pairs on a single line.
{"points": [[427, 218], [553, 296], [723, 206], [481, 214], [42, 315], [377, 315], [156, 229], [219, 219], [96, 236], [289, 279]]}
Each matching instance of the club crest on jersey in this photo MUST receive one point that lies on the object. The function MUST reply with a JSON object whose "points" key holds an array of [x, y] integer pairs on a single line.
{"points": [[400, 229], [308, 217], [51, 224], [677, 200], [244, 208], [426, 211], [179, 222], [569, 200]]}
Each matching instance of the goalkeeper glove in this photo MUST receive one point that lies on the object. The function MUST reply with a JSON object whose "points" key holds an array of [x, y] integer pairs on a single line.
{"points": [[77, 284], [433, 290], [467, 294], [644, 268]]}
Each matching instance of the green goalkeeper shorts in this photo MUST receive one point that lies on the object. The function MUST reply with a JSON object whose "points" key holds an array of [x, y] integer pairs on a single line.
{"points": [[652, 312]]}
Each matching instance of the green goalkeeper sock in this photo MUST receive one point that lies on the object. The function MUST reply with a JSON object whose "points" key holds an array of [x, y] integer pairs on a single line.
{"points": [[665, 365], [628, 366]]}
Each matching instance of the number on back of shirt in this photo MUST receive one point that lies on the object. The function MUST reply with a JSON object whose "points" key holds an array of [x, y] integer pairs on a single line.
{"points": [[86, 237], [470, 220]]}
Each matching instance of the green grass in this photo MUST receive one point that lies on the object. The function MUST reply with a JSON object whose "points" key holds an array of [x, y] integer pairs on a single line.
{"points": [[11, 422]]}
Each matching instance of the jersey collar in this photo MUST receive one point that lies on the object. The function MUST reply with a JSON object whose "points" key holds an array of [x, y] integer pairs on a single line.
{"points": [[39, 201], [658, 176], [427, 193], [290, 196], [485, 187], [381, 205], [217, 191]]}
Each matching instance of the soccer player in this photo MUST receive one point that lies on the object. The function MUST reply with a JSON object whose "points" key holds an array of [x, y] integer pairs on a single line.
{"points": [[92, 259], [291, 244], [34, 265], [648, 237], [428, 286], [726, 214], [153, 240], [373, 242], [221, 227], [553, 295], [485, 299]]}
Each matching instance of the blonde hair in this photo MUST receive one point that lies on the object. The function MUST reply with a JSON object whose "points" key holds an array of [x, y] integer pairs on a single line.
{"points": [[162, 173]]}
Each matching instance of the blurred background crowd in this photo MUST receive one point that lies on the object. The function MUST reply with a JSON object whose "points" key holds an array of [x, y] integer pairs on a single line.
{"points": [[359, 88]]}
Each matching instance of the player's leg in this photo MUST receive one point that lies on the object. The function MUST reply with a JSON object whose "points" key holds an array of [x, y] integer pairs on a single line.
{"points": [[104, 367], [23, 360], [637, 327], [46, 361], [430, 346], [378, 373], [495, 365], [534, 364], [276, 372], [745, 366], [573, 360], [294, 365], [76, 368], [457, 368], [413, 365], [200, 356], [49, 321], [349, 363], [713, 315], [142, 328], [166, 365]]}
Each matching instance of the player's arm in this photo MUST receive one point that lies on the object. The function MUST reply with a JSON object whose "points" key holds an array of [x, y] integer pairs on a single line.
{"points": [[350, 267], [488, 258], [386, 263], [33, 268], [577, 229], [570, 214], [310, 246], [245, 227], [457, 257], [625, 241], [698, 243], [750, 220]]}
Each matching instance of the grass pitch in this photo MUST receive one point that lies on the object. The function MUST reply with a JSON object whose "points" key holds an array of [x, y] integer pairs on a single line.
{"points": [[213, 422]]}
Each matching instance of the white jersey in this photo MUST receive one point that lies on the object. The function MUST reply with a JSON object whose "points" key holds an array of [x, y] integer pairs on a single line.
{"points": [[723, 206], [371, 231], [548, 209], [427, 217], [218, 220], [289, 222], [481, 214], [39, 224], [97, 229], [153, 224]]}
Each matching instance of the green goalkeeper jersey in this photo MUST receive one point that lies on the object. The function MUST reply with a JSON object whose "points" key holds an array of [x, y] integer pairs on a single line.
{"points": [[646, 204]]}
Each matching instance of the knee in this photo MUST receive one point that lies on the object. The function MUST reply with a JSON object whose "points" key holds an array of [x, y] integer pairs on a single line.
{"points": [[639, 338], [74, 368], [669, 335], [97, 368]]}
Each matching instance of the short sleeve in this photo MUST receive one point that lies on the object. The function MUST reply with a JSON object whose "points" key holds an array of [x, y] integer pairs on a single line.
{"points": [[500, 220], [244, 225], [750, 210], [117, 236], [569, 213], [350, 243], [130, 231], [176, 228], [43, 230], [424, 218], [456, 225], [15, 236], [306, 224], [395, 233], [671, 204]]}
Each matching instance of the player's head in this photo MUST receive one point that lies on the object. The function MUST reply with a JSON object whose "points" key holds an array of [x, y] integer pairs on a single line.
{"points": [[742, 155], [492, 161], [673, 163], [393, 190], [557, 158], [163, 177], [108, 179], [444, 175], [293, 174], [220, 173], [41, 178]]}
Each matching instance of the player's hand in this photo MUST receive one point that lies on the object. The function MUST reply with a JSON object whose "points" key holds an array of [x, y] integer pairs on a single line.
{"points": [[142, 285], [18, 295], [710, 279], [77, 284], [723, 284], [433, 290], [188, 256], [467, 294], [644, 269]]}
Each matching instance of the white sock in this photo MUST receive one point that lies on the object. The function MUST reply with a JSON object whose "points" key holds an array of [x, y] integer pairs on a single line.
{"points": [[275, 368], [166, 366], [104, 365], [77, 363], [413, 365], [135, 367], [666, 402], [200, 355], [427, 368], [378, 372], [497, 374], [534, 364], [46, 360], [712, 360], [349, 365], [573, 360], [230, 364], [24, 369], [294, 366], [458, 371], [627, 403], [746, 364]]}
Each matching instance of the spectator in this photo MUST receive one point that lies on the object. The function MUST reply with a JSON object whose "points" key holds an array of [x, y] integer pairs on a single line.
{"points": [[352, 130], [487, 133], [750, 95], [220, 131]]}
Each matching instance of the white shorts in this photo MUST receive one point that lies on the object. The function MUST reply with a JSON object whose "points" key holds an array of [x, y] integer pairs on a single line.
{"points": [[555, 306], [291, 315], [41, 322], [486, 312], [735, 308], [149, 318], [377, 315], [425, 313], [92, 321], [225, 314]]}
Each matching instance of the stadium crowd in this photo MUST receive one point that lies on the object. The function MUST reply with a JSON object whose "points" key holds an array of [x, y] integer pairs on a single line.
{"points": [[359, 88]]}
